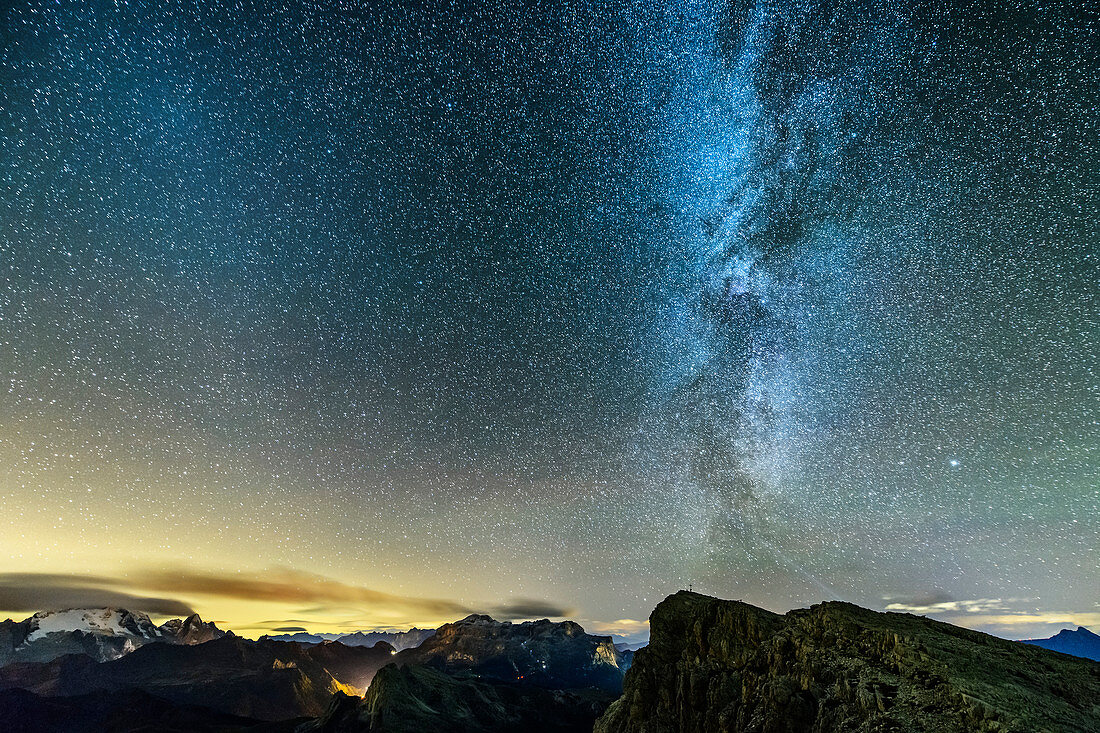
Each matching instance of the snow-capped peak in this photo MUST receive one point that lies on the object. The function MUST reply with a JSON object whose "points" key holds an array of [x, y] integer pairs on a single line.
{"points": [[98, 621]]}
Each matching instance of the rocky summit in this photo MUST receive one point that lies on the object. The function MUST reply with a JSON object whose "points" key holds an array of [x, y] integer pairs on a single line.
{"points": [[539, 653], [191, 630], [479, 675], [719, 666]]}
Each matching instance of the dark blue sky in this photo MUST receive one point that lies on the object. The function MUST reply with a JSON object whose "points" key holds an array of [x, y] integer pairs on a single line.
{"points": [[575, 301]]}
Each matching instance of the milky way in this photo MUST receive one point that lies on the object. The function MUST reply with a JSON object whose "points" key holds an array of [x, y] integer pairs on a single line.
{"points": [[581, 302]]}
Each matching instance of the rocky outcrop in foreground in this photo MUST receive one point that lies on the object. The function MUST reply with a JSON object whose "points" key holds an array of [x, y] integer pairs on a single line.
{"points": [[727, 667]]}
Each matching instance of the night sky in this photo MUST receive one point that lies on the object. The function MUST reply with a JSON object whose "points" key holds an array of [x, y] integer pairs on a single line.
{"points": [[370, 314]]}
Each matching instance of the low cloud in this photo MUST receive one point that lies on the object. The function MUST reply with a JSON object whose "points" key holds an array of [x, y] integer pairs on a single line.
{"points": [[1009, 617], [930, 598], [528, 608], [291, 586], [280, 626], [946, 604], [628, 629], [313, 594], [1010, 620], [32, 592], [273, 624], [1065, 617]]}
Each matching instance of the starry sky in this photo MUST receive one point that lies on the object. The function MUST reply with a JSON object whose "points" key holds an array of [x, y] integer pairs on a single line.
{"points": [[353, 315]]}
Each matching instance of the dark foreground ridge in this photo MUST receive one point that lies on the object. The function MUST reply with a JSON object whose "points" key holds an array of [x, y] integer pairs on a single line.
{"points": [[719, 666]]}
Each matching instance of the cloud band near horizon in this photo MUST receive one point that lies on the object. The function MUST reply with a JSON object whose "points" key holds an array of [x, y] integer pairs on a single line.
{"points": [[32, 592]]}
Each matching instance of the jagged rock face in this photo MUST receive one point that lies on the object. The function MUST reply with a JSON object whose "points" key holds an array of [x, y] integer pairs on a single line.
{"points": [[191, 630], [414, 699], [14, 646], [264, 680], [100, 633], [723, 666], [539, 653], [479, 675], [12, 636]]}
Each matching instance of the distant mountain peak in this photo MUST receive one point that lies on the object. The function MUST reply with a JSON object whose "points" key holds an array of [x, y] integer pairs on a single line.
{"points": [[395, 638], [89, 612], [542, 653], [100, 633], [192, 630], [1079, 642], [97, 621]]}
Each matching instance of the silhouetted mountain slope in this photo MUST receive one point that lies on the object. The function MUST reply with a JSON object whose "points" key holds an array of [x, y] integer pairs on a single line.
{"points": [[65, 675], [266, 680], [399, 640], [416, 699], [301, 637], [725, 666], [354, 666], [127, 710], [1079, 643], [539, 653]]}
